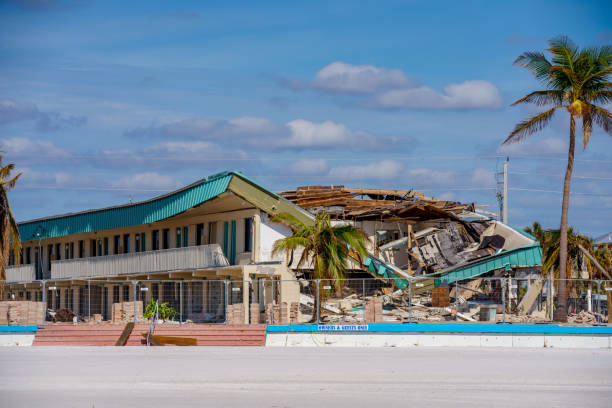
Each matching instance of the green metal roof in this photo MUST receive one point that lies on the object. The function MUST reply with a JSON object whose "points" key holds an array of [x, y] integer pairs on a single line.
{"points": [[143, 212], [525, 256]]}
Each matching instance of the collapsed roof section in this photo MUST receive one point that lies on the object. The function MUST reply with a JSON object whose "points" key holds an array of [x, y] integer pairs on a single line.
{"points": [[369, 203], [443, 238]]}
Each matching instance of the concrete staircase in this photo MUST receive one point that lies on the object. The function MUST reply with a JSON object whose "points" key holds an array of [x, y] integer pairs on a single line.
{"points": [[206, 334], [77, 335]]}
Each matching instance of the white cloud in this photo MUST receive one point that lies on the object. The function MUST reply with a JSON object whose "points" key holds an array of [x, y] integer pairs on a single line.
{"points": [[383, 88], [188, 149], [535, 147], [304, 133], [378, 170], [11, 111], [429, 177], [341, 77], [263, 134], [23, 147], [144, 181], [309, 166], [466, 95], [483, 178]]}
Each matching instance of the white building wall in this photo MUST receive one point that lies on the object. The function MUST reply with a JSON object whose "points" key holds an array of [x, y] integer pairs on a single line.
{"points": [[269, 234]]}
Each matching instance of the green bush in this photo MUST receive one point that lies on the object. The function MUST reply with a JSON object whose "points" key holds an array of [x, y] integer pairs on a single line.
{"points": [[164, 311]]}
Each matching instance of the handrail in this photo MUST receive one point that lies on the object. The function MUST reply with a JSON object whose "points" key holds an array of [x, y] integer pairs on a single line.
{"points": [[154, 318]]}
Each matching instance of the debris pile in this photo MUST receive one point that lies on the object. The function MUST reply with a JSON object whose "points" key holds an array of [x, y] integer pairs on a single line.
{"points": [[585, 317], [416, 233]]}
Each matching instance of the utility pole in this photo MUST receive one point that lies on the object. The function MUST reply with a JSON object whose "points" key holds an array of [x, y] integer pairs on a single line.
{"points": [[505, 221]]}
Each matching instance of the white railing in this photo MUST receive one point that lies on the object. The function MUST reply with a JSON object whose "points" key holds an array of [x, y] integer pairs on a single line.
{"points": [[21, 273], [167, 260]]}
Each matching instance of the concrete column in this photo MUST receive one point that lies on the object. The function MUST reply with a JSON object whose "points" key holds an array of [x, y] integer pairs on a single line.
{"points": [[245, 295], [255, 253]]}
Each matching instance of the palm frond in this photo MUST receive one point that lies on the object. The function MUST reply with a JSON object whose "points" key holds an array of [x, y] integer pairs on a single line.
{"points": [[530, 126], [564, 51], [542, 98], [535, 62], [289, 221], [587, 129], [602, 117]]}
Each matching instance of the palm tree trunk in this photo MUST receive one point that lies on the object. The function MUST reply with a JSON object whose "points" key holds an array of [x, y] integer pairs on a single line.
{"points": [[561, 310]]}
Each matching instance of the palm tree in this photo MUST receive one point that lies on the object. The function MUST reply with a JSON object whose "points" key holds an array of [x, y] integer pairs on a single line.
{"points": [[576, 80], [9, 233], [327, 247], [550, 241]]}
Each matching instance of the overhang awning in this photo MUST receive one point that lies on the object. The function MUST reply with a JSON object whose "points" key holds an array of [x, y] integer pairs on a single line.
{"points": [[521, 257]]}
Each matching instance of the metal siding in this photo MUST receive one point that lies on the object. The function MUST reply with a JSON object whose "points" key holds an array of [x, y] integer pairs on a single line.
{"points": [[525, 256], [137, 214]]}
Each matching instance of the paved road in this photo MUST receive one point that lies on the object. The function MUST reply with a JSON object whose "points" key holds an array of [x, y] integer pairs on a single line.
{"points": [[303, 377]]}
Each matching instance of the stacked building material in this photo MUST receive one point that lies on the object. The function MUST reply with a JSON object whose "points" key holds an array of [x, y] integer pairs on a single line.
{"points": [[254, 312], [125, 311], [19, 313], [374, 310], [235, 313], [270, 313], [294, 313], [439, 297], [284, 313]]}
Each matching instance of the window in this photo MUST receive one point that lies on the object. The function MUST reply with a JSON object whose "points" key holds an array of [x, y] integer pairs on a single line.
{"points": [[58, 296], [212, 232], [185, 236], [166, 238], [105, 246], [81, 249], [248, 234], [155, 243], [126, 293], [71, 300], [58, 252], [81, 301], [199, 234], [126, 243], [92, 247], [116, 244], [67, 250], [50, 299], [178, 237], [154, 291], [115, 294], [100, 250], [49, 254], [137, 243], [28, 256], [67, 299], [143, 241], [105, 305], [197, 297], [28, 295]]}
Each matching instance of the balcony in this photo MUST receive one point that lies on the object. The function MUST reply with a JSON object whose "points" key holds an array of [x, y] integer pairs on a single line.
{"points": [[21, 273], [167, 260]]}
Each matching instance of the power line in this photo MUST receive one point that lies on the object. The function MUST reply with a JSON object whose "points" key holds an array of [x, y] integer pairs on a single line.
{"points": [[557, 192], [293, 158], [561, 175]]}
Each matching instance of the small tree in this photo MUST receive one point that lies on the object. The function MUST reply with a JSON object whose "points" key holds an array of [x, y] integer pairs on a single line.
{"points": [[9, 232], [327, 247]]}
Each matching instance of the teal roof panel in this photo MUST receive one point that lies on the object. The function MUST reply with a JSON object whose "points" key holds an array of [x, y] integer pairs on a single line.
{"points": [[525, 256], [144, 212]]}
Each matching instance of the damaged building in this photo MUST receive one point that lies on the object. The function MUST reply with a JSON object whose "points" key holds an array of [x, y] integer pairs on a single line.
{"points": [[420, 235]]}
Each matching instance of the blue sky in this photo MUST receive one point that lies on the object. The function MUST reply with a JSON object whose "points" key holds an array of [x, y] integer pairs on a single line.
{"points": [[103, 101]]}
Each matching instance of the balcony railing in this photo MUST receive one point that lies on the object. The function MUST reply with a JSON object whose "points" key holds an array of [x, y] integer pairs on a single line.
{"points": [[21, 273], [167, 260]]}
